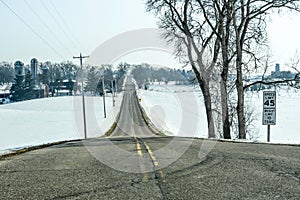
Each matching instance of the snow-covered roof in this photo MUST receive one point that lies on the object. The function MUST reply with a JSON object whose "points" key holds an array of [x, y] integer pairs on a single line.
{"points": [[66, 81], [63, 91], [5, 87], [5, 92]]}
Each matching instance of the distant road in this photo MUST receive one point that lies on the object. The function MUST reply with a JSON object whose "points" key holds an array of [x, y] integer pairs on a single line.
{"points": [[134, 163], [131, 122]]}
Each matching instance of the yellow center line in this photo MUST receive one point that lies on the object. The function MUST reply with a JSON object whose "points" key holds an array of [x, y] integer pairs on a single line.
{"points": [[155, 162], [138, 148], [139, 151]]}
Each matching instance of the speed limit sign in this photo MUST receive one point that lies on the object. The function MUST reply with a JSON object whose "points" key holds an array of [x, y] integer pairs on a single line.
{"points": [[269, 111], [270, 99]]}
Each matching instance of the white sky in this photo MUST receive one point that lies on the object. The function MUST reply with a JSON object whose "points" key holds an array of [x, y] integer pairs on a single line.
{"points": [[92, 22], [283, 33]]}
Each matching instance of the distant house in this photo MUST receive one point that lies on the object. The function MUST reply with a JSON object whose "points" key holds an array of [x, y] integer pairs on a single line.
{"points": [[63, 93], [4, 91], [63, 87], [41, 91]]}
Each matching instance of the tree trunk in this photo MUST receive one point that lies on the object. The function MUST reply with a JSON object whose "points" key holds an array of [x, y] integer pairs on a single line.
{"points": [[240, 93], [240, 36], [225, 30], [204, 85], [224, 103]]}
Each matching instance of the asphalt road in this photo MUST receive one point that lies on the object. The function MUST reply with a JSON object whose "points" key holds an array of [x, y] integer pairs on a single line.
{"points": [[133, 163], [131, 122]]}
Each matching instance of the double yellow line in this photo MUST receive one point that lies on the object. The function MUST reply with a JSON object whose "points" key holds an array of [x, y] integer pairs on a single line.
{"points": [[142, 167], [152, 157], [140, 153], [155, 162]]}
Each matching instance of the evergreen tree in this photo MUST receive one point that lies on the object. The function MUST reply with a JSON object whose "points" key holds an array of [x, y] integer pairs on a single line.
{"points": [[29, 87], [23, 88], [17, 89]]}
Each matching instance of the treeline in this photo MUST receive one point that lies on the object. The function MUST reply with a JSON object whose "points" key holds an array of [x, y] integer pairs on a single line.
{"points": [[47, 72], [112, 79], [145, 73], [55, 72], [51, 78], [67, 76], [6, 73]]}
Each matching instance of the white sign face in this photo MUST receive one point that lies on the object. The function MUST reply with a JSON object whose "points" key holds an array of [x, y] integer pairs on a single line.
{"points": [[269, 116], [270, 99]]}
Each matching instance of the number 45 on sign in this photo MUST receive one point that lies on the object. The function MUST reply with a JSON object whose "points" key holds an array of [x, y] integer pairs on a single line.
{"points": [[269, 110], [270, 99]]}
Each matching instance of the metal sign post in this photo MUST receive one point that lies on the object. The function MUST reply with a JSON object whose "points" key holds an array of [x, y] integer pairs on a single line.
{"points": [[269, 110]]}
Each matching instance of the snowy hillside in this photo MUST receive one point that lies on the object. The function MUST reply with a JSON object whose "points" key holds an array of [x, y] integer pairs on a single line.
{"points": [[174, 109], [49, 120]]}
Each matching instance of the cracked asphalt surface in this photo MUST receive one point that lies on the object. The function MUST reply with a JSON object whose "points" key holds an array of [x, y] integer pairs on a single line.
{"points": [[134, 163]]}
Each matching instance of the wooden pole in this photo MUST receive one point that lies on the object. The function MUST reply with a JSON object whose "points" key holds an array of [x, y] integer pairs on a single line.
{"points": [[82, 92]]}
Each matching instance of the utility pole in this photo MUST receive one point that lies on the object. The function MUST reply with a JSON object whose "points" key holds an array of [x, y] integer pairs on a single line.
{"points": [[116, 85], [82, 92], [103, 88], [112, 92]]}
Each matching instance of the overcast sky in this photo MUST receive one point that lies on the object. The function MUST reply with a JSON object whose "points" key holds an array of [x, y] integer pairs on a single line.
{"points": [[57, 30]]}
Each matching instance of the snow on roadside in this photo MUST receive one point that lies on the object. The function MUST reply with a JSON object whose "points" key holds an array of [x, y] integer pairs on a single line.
{"points": [[48, 120], [164, 105], [175, 110], [287, 128]]}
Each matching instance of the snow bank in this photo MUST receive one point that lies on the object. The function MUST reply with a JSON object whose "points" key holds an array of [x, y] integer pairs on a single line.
{"points": [[176, 110], [42, 121]]}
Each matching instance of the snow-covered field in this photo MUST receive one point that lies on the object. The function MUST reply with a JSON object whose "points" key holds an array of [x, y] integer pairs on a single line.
{"points": [[42, 121], [177, 110], [180, 111], [287, 128]]}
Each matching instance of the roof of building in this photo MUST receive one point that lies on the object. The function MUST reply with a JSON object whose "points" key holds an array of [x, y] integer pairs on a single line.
{"points": [[5, 87]]}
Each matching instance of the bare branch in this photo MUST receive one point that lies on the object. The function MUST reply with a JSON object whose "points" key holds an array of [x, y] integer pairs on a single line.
{"points": [[296, 78]]}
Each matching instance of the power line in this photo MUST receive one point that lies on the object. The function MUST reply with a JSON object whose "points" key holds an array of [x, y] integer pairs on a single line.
{"points": [[32, 30], [51, 15], [49, 29], [64, 22]]}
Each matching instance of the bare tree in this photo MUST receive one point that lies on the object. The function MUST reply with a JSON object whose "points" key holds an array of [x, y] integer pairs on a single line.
{"points": [[220, 13], [249, 17], [227, 31], [183, 24]]}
